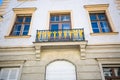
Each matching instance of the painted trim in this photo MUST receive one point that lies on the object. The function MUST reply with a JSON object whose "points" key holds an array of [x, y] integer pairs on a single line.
{"points": [[101, 34], [10, 37]]}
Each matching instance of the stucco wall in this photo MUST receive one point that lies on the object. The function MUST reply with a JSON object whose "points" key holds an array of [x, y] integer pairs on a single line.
{"points": [[88, 69], [40, 19]]}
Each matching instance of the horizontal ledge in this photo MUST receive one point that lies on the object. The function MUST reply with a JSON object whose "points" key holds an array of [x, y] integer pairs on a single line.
{"points": [[60, 43], [100, 34], [9, 37]]}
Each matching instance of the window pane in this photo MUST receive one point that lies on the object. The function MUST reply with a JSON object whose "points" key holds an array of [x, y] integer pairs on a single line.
{"points": [[104, 26], [28, 19], [93, 17], [17, 29], [65, 18], [101, 16], [4, 74], [107, 71], [117, 71], [66, 26], [54, 27], [26, 29], [95, 27], [19, 19], [54, 18], [13, 74]]}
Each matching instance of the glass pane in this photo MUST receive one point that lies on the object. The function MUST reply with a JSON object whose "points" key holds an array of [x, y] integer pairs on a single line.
{"points": [[66, 26], [13, 74], [107, 71], [17, 27], [65, 18], [26, 29], [95, 27], [93, 17], [101, 16], [19, 19], [4, 74], [28, 19], [117, 71], [54, 27], [16, 33], [54, 18], [104, 26]]}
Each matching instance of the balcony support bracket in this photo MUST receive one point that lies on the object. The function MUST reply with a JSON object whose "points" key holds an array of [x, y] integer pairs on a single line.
{"points": [[83, 51], [37, 52]]}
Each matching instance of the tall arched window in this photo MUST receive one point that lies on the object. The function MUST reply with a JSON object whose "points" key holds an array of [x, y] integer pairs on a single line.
{"points": [[60, 70]]}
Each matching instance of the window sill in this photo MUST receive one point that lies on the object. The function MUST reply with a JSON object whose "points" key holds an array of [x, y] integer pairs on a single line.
{"points": [[100, 34], [9, 37]]}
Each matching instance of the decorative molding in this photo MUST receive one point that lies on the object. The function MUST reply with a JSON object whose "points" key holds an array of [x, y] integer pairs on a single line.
{"points": [[3, 8], [96, 7], [24, 10], [82, 45], [38, 52], [11, 63], [101, 34], [83, 51], [10, 37]]}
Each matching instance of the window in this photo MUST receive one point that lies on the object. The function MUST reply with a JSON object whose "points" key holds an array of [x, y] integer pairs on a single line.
{"points": [[22, 25], [111, 73], [9, 73], [100, 19], [99, 22], [60, 22]]}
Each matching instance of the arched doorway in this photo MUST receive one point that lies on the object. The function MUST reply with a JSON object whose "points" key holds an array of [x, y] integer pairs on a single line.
{"points": [[60, 70]]}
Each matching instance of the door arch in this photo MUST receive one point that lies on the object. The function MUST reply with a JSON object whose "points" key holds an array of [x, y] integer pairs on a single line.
{"points": [[60, 70]]}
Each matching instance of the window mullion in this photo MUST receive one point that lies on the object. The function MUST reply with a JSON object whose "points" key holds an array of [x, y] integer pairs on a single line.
{"points": [[22, 28], [98, 22]]}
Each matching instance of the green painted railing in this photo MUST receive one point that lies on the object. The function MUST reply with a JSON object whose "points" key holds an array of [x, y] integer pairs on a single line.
{"points": [[60, 35]]}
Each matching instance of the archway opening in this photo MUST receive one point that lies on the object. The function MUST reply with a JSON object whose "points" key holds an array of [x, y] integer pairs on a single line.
{"points": [[60, 70]]}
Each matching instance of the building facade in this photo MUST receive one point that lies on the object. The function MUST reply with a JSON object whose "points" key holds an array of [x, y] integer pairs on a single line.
{"points": [[60, 40]]}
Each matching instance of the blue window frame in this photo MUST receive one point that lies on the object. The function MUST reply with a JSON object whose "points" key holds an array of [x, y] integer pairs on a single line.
{"points": [[21, 26], [99, 23]]}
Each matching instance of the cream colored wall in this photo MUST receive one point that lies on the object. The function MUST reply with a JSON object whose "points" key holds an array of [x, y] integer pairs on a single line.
{"points": [[35, 69]]}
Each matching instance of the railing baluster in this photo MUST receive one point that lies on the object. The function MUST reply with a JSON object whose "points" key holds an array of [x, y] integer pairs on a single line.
{"points": [[60, 35]]}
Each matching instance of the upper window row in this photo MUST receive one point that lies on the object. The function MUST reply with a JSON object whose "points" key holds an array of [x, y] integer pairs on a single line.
{"points": [[100, 22]]}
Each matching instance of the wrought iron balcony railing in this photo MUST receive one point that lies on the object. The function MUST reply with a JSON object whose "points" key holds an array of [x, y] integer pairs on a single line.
{"points": [[60, 35]]}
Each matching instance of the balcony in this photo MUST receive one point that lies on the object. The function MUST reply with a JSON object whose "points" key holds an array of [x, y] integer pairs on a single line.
{"points": [[72, 37], [60, 35]]}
